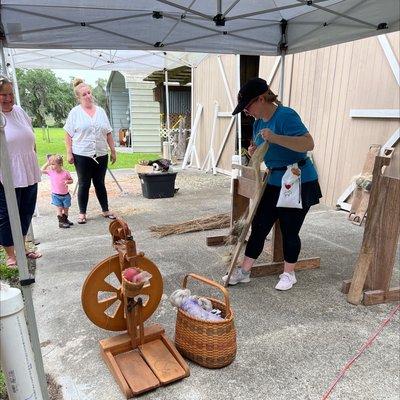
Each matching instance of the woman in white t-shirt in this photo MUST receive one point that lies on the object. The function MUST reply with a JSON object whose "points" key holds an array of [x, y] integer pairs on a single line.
{"points": [[88, 137], [24, 167]]}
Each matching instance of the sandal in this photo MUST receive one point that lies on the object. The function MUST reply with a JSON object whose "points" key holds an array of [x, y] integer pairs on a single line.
{"points": [[33, 255], [110, 216], [11, 263], [82, 220]]}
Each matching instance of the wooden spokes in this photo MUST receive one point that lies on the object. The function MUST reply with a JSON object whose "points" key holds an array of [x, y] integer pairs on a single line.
{"points": [[102, 298]]}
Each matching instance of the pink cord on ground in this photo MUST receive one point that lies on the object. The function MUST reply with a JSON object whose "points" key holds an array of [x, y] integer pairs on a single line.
{"points": [[362, 349]]}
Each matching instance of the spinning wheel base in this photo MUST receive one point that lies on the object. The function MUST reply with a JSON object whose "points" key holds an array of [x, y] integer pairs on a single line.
{"points": [[154, 363]]}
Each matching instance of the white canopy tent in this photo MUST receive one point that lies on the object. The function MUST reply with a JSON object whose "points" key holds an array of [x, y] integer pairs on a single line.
{"points": [[263, 27], [137, 61], [211, 26]]}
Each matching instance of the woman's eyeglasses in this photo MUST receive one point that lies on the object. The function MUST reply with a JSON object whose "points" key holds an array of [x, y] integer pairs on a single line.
{"points": [[246, 109]]}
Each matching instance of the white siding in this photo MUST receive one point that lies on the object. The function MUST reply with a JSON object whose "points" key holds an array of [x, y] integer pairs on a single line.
{"points": [[145, 116], [119, 104]]}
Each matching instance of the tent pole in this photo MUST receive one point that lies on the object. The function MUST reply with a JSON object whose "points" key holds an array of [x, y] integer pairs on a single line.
{"points": [[3, 61], [167, 111], [238, 117], [14, 78], [282, 78], [25, 279], [191, 97], [282, 49]]}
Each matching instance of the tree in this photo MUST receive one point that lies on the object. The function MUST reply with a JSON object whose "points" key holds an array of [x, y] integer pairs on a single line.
{"points": [[43, 95], [100, 95]]}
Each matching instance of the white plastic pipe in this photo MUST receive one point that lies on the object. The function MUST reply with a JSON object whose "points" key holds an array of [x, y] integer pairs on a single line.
{"points": [[16, 353]]}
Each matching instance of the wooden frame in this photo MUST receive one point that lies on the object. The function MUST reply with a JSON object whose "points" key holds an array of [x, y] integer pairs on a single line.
{"points": [[374, 266], [244, 189]]}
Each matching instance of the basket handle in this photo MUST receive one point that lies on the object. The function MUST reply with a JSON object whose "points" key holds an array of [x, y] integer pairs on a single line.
{"points": [[211, 283]]}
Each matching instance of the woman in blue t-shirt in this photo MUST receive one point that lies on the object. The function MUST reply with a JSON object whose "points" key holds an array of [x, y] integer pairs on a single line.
{"points": [[289, 141]]}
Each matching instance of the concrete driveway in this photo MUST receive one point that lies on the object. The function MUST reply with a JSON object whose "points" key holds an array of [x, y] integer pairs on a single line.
{"points": [[291, 345]]}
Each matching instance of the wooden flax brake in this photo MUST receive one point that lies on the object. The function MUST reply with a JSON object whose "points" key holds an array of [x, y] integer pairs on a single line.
{"points": [[374, 267], [260, 189], [250, 185]]}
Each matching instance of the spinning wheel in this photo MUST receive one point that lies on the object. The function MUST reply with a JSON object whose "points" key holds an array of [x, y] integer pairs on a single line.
{"points": [[102, 297], [143, 357]]}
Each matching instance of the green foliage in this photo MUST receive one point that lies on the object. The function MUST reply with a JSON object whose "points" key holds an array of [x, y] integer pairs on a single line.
{"points": [[44, 95], [99, 93], [3, 387], [57, 146], [6, 274]]}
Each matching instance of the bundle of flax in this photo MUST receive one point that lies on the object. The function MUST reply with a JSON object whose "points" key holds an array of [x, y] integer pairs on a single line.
{"points": [[200, 224]]}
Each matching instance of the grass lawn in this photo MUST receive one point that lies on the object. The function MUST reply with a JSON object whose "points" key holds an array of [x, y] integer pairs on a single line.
{"points": [[57, 146]]}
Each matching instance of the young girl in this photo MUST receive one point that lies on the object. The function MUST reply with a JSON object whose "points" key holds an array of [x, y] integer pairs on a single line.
{"points": [[59, 181]]}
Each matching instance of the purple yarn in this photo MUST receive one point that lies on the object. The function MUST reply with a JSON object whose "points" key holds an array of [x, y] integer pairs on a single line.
{"points": [[193, 308]]}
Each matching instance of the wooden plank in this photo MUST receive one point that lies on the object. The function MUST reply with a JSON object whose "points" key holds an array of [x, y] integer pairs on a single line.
{"points": [[120, 343], [163, 364], [277, 267], [384, 230], [172, 349], [246, 187], [277, 246], [379, 296], [216, 240], [139, 377], [363, 264], [375, 113], [239, 203], [346, 286], [116, 372], [361, 197]]}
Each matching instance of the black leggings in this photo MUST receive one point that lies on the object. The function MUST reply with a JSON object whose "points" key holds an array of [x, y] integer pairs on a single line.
{"points": [[89, 170], [26, 201], [291, 220]]}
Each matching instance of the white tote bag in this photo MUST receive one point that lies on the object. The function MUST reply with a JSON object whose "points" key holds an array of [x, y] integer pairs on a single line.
{"points": [[290, 194]]}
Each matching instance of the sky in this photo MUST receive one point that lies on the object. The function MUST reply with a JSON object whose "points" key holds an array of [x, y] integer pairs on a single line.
{"points": [[88, 76]]}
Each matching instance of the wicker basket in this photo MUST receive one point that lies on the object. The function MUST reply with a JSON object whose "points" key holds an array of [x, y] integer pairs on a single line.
{"points": [[212, 344]]}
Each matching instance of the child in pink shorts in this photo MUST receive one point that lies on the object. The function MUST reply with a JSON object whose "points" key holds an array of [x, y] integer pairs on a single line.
{"points": [[59, 181]]}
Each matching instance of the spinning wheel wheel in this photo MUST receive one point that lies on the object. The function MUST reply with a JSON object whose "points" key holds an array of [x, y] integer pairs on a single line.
{"points": [[102, 297]]}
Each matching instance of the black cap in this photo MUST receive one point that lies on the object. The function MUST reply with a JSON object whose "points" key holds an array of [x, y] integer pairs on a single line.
{"points": [[250, 90]]}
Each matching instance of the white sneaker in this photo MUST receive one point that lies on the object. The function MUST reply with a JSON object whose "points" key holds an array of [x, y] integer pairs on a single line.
{"points": [[238, 276], [286, 281]]}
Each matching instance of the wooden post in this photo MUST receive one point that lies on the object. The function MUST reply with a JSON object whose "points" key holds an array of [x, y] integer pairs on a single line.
{"points": [[277, 246], [374, 267]]}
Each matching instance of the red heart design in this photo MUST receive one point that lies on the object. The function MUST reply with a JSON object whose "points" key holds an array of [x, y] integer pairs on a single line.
{"points": [[288, 186]]}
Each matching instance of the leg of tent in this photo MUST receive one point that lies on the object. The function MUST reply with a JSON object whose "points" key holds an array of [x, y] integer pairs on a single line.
{"points": [[167, 112], [15, 81], [239, 116], [19, 245], [282, 81]]}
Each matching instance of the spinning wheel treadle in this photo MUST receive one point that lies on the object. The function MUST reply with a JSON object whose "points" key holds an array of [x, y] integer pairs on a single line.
{"points": [[99, 294]]}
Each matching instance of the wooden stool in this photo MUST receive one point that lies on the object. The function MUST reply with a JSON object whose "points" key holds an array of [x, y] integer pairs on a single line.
{"points": [[143, 358]]}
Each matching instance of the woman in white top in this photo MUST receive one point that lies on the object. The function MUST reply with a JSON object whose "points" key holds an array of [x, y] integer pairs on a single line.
{"points": [[24, 166], [88, 137]]}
